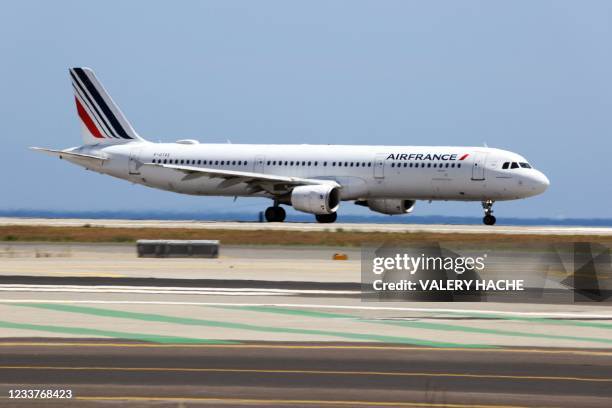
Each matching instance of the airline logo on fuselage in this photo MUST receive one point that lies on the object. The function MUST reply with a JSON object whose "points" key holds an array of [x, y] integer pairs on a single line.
{"points": [[426, 156]]}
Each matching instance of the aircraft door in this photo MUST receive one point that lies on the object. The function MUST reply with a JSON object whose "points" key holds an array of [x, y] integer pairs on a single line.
{"points": [[379, 166], [133, 162], [478, 168], [258, 167]]}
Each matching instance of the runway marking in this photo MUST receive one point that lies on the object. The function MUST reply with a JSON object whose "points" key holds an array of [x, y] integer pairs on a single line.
{"points": [[181, 290], [318, 306], [308, 372], [561, 351], [294, 401], [425, 325], [105, 333], [239, 326]]}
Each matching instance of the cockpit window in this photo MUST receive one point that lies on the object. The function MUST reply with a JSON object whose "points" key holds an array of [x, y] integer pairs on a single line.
{"points": [[505, 165], [514, 165], [525, 165]]}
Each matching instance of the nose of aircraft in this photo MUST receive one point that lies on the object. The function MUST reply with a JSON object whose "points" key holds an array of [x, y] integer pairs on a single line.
{"points": [[539, 182]]}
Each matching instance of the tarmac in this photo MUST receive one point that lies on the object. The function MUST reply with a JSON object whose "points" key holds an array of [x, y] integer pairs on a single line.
{"points": [[100, 373], [275, 326], [294, 226]]}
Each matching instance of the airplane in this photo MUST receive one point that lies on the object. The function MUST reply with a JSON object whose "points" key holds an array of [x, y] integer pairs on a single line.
{"points": [[313, 179]]}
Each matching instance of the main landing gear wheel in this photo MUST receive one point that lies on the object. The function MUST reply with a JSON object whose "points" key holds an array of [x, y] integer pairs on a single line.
{"points": [[275, 214], [326, 218], [489, 218]]}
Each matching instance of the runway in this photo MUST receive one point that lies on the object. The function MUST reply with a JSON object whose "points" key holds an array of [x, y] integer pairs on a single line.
{"points": [[288, 226], [275, 326], [307, 374]]}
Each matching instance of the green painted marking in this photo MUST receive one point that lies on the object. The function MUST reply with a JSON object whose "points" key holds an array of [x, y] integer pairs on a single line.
{"points": [[105, 333], [428, 325], [543, 320], [468, 329], [240, 326]]}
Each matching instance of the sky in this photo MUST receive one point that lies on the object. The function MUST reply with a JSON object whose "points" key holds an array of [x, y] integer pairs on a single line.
{"points": [[532, 77]]}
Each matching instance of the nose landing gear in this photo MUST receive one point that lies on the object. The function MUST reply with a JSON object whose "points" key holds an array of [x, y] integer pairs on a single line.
{"points": [[489, 218]]}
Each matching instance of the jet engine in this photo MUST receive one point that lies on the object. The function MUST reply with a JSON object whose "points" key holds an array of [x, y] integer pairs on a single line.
{"points": [[316, 199], [391, 206]]}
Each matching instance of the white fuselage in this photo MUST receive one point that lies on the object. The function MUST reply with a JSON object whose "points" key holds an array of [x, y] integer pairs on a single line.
{"points": [[363, 172]]}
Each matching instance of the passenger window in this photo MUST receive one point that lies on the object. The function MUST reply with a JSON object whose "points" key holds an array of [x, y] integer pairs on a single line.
{"points": [[505, 165], [452, 165], [316, 163], [392, 164], [514, 165], [446, 165], [459, 165], [369, 164], [324, 164]]}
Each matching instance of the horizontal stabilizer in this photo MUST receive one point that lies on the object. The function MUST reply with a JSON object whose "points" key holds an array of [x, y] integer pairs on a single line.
{"points": [[72, 155]]}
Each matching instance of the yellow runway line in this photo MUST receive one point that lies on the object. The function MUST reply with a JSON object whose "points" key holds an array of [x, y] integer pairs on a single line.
{"points": [[249, 401], [307, 347], [308, 372]]}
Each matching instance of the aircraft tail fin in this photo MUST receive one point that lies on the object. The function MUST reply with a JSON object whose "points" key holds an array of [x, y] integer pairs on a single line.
{"points": [[102, 120]]}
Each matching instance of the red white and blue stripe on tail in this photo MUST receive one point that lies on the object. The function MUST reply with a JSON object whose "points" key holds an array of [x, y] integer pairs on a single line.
{"points": [[103, 121]]}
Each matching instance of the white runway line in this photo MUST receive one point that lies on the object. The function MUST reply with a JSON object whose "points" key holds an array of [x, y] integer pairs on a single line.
{"points": [[288, 226], [577, 315], [170, 290]]}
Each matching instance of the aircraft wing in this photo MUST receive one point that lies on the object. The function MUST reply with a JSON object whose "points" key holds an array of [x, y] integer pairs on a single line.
{"points": [[271, 183]]}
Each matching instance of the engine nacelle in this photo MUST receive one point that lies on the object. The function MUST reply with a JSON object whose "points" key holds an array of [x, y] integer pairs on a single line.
{"points": [[316, 199], [391, 206]]}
